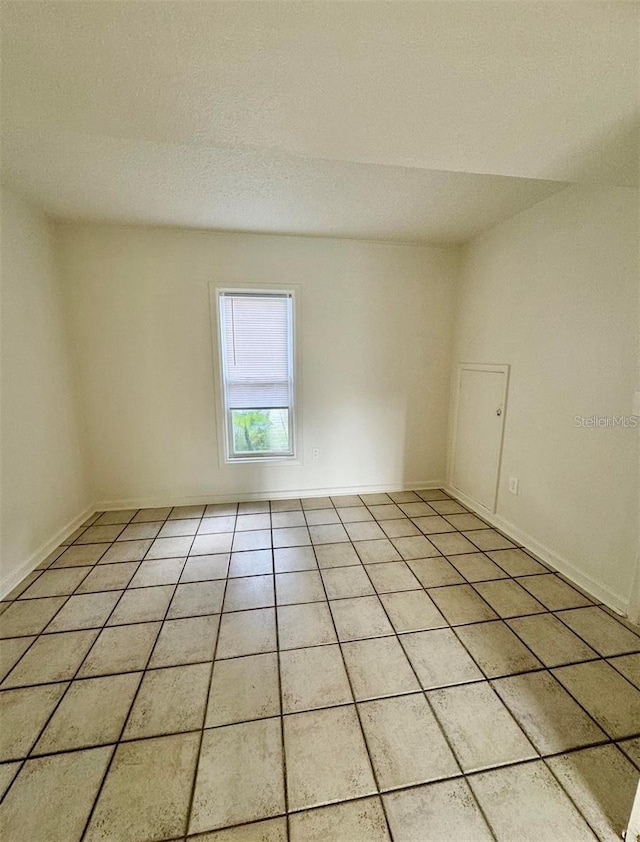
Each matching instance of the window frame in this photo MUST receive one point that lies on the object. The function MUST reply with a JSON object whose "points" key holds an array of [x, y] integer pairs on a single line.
{"points": [[224, 425]]}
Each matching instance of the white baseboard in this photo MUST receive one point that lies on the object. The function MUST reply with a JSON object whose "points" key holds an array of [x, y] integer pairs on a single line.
{"points": [[548, 556], [238, 497], [8, 583]]}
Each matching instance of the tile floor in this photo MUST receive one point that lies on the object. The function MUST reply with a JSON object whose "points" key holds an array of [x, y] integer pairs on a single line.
{"points": [[368, 668]]}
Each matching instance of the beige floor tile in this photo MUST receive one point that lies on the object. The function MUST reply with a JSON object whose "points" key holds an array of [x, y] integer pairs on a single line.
{"points": [[336, 555], [138, 605], [305, 625], [282, 520], [377, 498], [197, 598], [479, 727], [452, 543], [435, 572], [119, 516], [305, 586], [417, 509], [360, 617], [213, 544], [85, 611], [81, 556], [179, 528], [161, 571], [109, 577], [180, 547], [8, 772], [344, 582], [375, 552], [632, 750], [352, 821], [508, 598], [551, 640], [527, 803], [30, 617], [22, 586], [52, 796], [416, 546], [56, 582], [146, 515], [461, 604], [354, 514], [203, 568], [516, 562], [243, 689], [392, 576], [412, 611], [23, 714], [331, 533], [552, 592], [439, 659], [249, 592], [294, 559], [602, 783], [610, 699], [253, 507], [320, 517], [343, 500], [92, 713], [326, 758], [179, 512], [488, 539], [169, 700], [121, 649], [247, 633], [140, 531], [291, 505], [221, 509], [405, 742], [293, 536], [53, 657], [496, 649], [433, 524], [404, 497], [387, 511], [606, 635], [476, 567], [447, 506], [251, 563], [146, 792], [240, 775], [402, 528], [378, 667], [244, 523], [215, 525], [629, 666], [436, 813], [467, 522], [364, 531], [260, 539], [313, 678], [99, 534], [270, 830], [548, 715], [186, 641], [11, 650]]}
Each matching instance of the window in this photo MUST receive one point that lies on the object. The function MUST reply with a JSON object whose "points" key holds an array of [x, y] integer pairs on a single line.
{"points": [[257, 362]]}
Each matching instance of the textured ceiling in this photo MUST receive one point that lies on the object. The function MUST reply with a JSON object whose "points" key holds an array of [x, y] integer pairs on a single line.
{"points": [[424, 121]]}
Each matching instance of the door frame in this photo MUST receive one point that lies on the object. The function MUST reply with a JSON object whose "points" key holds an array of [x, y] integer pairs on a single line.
{"points": [[502, 369]]}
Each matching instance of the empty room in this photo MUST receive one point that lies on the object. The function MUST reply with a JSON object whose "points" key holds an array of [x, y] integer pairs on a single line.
{"points": [[320, 398]]}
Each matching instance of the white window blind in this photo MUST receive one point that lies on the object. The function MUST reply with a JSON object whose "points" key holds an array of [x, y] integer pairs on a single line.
{"points": [[257, 350]]}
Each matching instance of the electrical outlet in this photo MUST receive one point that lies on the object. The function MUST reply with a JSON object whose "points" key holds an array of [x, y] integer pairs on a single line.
{"points": [[513, 485], [315, 453]]}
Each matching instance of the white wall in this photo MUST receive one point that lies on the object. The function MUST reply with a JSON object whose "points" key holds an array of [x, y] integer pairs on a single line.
{"points": [[43, 484], [554, 293], [375, 330]]}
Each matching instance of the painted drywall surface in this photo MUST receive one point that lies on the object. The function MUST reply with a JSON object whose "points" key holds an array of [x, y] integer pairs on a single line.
{"points": [[43, 481], [554, 293], [374, 333]]}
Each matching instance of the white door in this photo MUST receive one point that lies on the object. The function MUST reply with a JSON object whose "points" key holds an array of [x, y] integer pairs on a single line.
{"points": [[477, 436]]}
